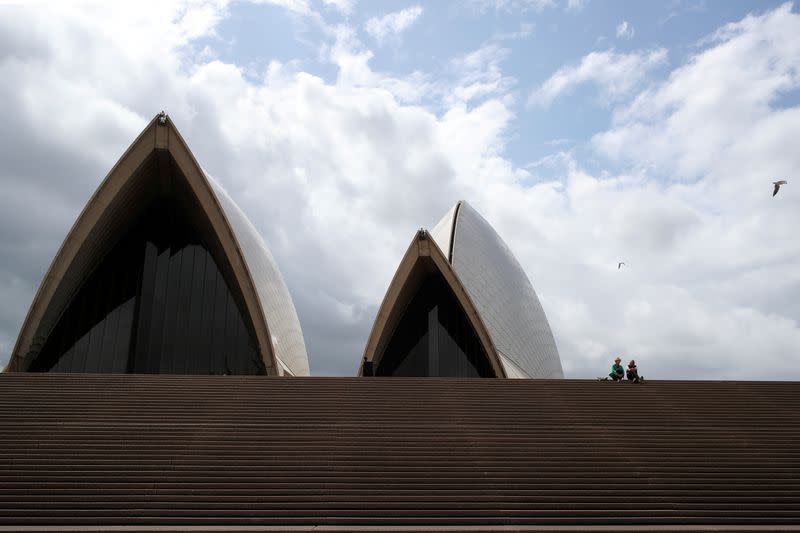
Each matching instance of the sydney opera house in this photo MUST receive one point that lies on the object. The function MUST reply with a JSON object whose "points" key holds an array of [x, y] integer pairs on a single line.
{"points": [[160, 382], [162, 273], [461, 305]]}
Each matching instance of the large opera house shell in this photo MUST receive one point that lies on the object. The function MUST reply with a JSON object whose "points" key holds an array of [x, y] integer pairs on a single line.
{"points": [[461, 305], [162, 273]]}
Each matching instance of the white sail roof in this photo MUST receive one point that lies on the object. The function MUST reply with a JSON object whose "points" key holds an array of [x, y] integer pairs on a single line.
{"points": [[501, 291], [266, 298], [276, 303]]}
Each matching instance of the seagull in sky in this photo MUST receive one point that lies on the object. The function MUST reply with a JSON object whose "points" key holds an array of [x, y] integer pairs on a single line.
{"points": [[777, 185], [619, 265]]}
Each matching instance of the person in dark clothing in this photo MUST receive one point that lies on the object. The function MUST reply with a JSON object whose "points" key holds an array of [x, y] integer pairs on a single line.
{"points": [[633, 372], [617, 372]]}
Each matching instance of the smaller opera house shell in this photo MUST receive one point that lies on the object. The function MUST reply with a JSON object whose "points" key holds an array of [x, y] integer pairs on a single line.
{"points": [[460, 305], [162, 273]]}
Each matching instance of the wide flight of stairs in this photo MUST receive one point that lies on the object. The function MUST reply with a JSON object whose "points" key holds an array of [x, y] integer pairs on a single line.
{"points": [[140, 452]]}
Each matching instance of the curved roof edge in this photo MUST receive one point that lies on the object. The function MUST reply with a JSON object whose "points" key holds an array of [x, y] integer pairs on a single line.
{"points": [[444, 231], [501, 291], [276, 302], [422, 257], [97, 225]]}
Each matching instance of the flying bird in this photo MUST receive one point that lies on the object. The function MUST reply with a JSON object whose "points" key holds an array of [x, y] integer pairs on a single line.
{"points": [[619, 265], [777, 185]]}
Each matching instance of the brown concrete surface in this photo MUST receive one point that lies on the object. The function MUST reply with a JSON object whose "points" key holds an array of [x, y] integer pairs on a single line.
{"points": [[210, 453]]}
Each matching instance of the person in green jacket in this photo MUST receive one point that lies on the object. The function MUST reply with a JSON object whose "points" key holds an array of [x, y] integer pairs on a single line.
{"points": [[617, 372]]}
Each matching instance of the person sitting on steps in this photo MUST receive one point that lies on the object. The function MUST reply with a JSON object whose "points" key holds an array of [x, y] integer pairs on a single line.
{"points": [[633, 372], [617, 372]]}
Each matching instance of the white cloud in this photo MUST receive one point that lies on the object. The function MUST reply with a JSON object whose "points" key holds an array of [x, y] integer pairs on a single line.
{"points": [[352, 60], [514, 5], [478, 75], [345, 6], [468, 78], [721, 99], [616, 74], [392, 24], [301, 7], [576, 5], [625, 30], [558, 142], [525, 30]]}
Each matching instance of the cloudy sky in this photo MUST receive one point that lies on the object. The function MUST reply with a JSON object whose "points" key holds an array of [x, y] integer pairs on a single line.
{"points": [[585, 132]]}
